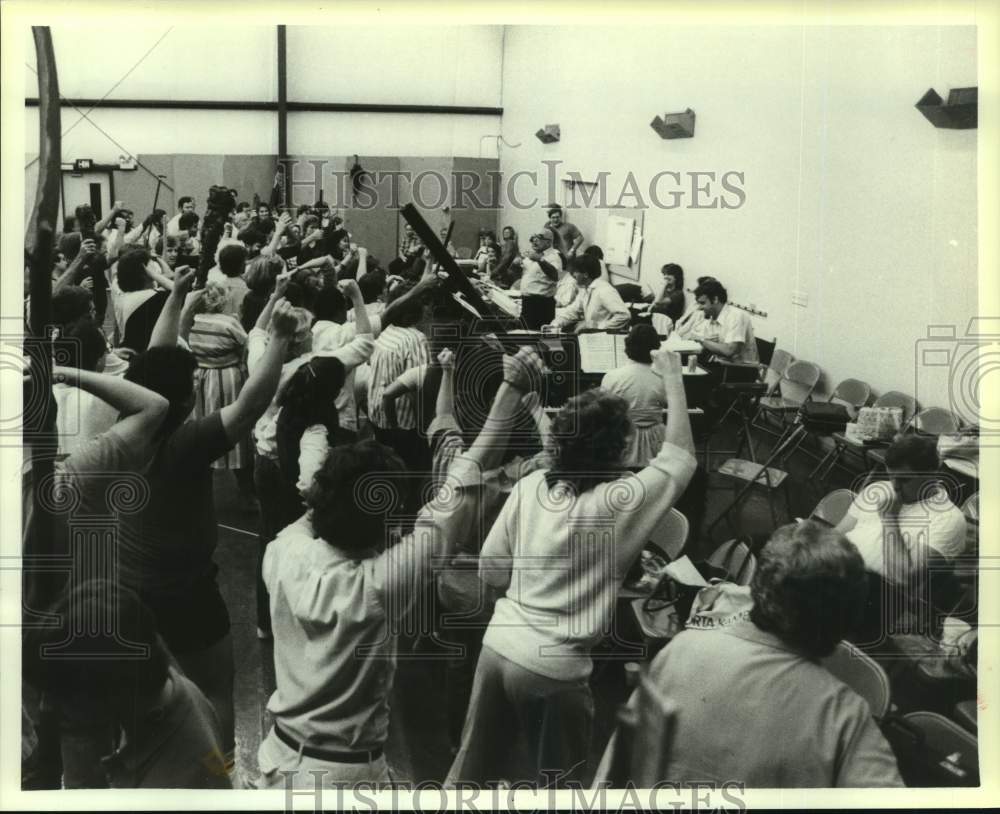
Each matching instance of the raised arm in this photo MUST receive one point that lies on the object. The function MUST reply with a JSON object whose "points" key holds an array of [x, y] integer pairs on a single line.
{"points": [[427, 281], [141, 411], [283, 222], [167, 327], [155, 273], [445, 405], [362, 262], [240, 416], [103, 224], [445, 520], [88, 248]]}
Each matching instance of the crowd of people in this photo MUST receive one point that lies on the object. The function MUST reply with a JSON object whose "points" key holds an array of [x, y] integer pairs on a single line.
{"points": [[328, 382]]}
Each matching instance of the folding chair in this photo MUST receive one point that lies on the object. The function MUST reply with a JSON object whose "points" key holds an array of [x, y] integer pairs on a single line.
{"points": [[780, 360], [852, 394], [833, 507], [933, 421], [934, 751], [862, 674], [736, 559], [671, 533], [794, 389], [843, 444], [765, 350]]}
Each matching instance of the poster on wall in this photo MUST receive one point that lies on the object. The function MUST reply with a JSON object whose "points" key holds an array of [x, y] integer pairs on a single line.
{"points": [[618, 240]]}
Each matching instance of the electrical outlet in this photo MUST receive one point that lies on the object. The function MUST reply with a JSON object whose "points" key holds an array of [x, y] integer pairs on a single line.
{"points": [[800, 298]]}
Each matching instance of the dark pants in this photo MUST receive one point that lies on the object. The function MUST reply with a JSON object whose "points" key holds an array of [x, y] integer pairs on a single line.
{"points": [[537, 311], [279, 505]]}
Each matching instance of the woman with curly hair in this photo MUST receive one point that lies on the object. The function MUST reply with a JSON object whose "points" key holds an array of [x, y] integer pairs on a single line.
{"points": [[218, 342], [570, 534]]}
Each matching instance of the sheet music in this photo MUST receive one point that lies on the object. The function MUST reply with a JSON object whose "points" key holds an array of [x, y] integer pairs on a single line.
{"points": [[599, 352], [675, 343]]}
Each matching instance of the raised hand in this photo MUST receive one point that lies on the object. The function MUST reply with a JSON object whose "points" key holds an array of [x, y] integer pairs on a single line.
{"points": [[446, 358], [525, 370], [183, 280], [284, 320], [667, 364]]}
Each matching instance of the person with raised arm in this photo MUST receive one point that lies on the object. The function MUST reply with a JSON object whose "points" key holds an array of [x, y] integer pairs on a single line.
{"points": [[338, 593], [570, 534], [166, 550]]}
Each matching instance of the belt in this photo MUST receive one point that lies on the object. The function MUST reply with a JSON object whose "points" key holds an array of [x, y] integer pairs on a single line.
{"points": [[326, 754]]}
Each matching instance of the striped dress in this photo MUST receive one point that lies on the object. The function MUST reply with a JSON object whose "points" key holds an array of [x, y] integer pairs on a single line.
{"points": [[218, 342], [396, 351]]}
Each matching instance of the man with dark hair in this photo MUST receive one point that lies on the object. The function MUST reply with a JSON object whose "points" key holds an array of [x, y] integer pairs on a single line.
{"points": [[720, 328], [229, 274], [137, 302], [899, 523], [751, 700], [188, 229], [263, 222], [185, 204], [568, 238], [539, 278], [166, 551], [253, 240], [597, 305]]}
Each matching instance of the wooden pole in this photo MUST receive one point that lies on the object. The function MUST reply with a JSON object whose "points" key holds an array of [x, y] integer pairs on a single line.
{"points": [[39, 417]]}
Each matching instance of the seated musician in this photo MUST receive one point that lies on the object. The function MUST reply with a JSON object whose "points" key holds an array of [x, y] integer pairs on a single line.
{"points": [[597, 305], [721, 329], [739, 687]]}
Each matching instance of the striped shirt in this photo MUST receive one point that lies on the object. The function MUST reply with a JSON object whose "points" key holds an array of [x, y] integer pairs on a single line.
{"points": [[396, 351], [217, 340]]}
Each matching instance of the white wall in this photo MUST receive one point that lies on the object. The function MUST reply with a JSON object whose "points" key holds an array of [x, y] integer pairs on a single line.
{"points": [[377, 65], [851, 196], [437, 65]]}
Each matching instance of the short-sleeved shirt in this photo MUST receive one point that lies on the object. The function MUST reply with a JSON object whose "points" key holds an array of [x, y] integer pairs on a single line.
{"points": [[749, 706], [177, 744], [566, 233], [933, 523], [169, 545], [534, 281], [732, 325]]}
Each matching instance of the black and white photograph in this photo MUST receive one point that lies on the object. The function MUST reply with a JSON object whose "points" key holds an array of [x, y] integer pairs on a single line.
{"points": [[466, 407]]}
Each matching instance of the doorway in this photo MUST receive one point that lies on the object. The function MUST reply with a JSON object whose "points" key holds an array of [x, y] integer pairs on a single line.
{"points": [[95, 188]]}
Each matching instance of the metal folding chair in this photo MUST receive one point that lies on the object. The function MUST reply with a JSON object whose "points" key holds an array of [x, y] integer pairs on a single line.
{"points": [[862, 674], [842, 444], [853, 394], [833, 507], [933, 421], [794, 389]]}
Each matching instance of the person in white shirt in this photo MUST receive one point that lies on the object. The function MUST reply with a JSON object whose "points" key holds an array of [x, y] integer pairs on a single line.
{"points": [[539, 280], [905, 528], [559, 551], [720, 328], [338, 594], [597, 305], [184, 205]]}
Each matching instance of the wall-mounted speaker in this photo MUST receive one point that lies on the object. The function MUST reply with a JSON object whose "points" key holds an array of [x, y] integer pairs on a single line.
{"points": [[961, 112], [548, 134], [674, 125]]}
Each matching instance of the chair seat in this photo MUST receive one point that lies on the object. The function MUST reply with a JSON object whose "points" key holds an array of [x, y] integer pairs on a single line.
{"points": [[965, 714], [778, 403]]}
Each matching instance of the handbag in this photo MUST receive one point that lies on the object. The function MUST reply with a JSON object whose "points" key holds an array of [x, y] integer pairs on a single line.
{"points": [[824, 416]]}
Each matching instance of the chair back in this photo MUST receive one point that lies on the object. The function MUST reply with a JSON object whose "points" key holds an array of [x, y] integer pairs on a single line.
{"points": [[736, 559], [936, 421], [894, 398], [948, 746], [780, 360], [971, 508], [765, 350], [862, 674], [671, 533], [463, 253], [629, 292], [852, 393], [799, 381], [833, 507]]}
